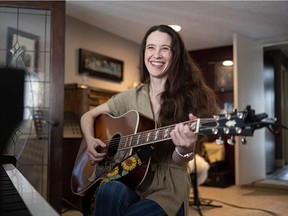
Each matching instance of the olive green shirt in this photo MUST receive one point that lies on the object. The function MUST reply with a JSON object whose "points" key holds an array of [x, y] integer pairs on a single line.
{"points": [[165, 183]]}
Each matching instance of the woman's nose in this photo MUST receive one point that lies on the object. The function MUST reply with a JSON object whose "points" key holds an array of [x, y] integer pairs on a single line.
{"points": [[158, 53]]}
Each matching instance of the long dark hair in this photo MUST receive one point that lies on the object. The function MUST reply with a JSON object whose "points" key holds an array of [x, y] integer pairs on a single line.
{"points": [[185, 90]]}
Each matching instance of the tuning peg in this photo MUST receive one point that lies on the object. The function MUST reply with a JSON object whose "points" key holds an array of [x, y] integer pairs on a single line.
{"points": [[243, 140], [219, 141], [230, 141], [228, 116]]}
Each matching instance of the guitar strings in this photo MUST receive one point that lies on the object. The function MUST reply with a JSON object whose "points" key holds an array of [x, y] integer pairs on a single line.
{"points": [[151, 133], [156, 135]]}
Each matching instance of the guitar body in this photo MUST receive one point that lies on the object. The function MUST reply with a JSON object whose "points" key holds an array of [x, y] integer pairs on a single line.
{"points": [[110, 129]]}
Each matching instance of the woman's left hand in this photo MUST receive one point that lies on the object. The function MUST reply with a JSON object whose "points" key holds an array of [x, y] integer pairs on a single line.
{"points": [[183, 137]]}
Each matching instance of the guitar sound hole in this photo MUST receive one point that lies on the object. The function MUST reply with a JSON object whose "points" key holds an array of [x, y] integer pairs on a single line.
{"points": [[113, 146]]}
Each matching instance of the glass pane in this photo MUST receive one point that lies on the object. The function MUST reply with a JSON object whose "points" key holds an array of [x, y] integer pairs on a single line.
{"points": [[8, 19], [25, 43], [2, 57], [33, 24]]}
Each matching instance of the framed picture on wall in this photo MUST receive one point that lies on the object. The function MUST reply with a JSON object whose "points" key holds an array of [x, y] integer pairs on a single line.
{"points": [[22, 50], [100, 65], [223, 77]]}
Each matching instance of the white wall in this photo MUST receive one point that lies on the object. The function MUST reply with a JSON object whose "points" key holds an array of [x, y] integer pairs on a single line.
{"points": [[249, 90], [82, 35]]}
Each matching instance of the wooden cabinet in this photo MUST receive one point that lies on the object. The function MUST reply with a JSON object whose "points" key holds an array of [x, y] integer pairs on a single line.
{"points": [[78, 99]]}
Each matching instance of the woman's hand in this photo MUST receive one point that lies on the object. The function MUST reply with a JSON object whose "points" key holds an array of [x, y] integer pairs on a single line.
{"points": [[95, 147], [183, 137], [96, 150]]}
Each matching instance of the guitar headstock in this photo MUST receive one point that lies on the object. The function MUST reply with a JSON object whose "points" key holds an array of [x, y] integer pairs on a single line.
{"points": [[234, 124]]}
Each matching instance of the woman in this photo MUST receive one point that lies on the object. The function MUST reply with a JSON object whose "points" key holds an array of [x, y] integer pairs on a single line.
{"points": [[172, 91]]}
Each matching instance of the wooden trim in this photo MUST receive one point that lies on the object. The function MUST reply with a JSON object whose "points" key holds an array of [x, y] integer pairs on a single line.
{"points": [[57, 105]]}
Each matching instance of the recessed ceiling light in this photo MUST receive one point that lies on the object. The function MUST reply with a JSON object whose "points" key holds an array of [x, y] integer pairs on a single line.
{"points": [[227, 63], [177, 28]]}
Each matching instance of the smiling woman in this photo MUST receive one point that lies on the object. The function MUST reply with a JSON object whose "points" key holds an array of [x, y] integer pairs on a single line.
{"points": [[172, 88]]}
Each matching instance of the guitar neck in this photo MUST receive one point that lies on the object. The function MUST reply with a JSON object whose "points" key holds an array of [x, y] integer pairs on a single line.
{"points": [[154, 136], [224, 124]]}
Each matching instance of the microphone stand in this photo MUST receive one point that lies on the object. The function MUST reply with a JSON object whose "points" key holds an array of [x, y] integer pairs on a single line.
{"points": [[196, 198]]}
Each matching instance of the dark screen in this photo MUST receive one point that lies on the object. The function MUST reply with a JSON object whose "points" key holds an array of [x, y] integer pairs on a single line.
{"points": [[12, 102]]}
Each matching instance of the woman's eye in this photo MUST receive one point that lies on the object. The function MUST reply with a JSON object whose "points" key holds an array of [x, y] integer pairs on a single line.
{"points": [[166, 48]]}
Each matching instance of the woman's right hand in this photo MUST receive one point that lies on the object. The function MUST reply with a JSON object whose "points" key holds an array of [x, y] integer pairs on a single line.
{"points": [[95, 147], [96, 150]]}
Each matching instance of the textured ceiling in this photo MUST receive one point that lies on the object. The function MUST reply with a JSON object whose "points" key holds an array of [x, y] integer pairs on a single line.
{"points": [[205, 24]]}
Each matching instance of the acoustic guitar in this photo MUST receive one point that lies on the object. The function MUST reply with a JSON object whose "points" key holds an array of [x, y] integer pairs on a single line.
{"points": [[131, 137]]}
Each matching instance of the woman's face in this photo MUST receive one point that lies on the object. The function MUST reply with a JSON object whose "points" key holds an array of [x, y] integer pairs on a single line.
{"points": [[158, 53]]}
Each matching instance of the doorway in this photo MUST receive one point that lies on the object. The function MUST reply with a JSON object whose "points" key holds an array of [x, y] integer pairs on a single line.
{"points": [[278, 60]]}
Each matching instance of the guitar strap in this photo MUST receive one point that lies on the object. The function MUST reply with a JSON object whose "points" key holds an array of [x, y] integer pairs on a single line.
{"points": [[134, 161], [131, 163]]}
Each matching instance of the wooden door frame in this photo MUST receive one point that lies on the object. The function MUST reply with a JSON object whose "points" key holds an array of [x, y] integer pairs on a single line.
{"points": [[57, 8]]}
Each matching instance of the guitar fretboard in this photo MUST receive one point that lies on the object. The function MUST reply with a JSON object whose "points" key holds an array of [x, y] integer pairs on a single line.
{"points": [[153, 136]]}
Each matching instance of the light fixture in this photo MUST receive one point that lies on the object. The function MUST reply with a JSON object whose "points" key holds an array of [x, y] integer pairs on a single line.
{"points": [[177, 28], [227, 63]]}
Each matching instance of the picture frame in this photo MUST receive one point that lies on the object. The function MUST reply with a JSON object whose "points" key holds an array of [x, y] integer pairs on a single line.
{"points": [[101, 66], [22, 50], [223, 77]]}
